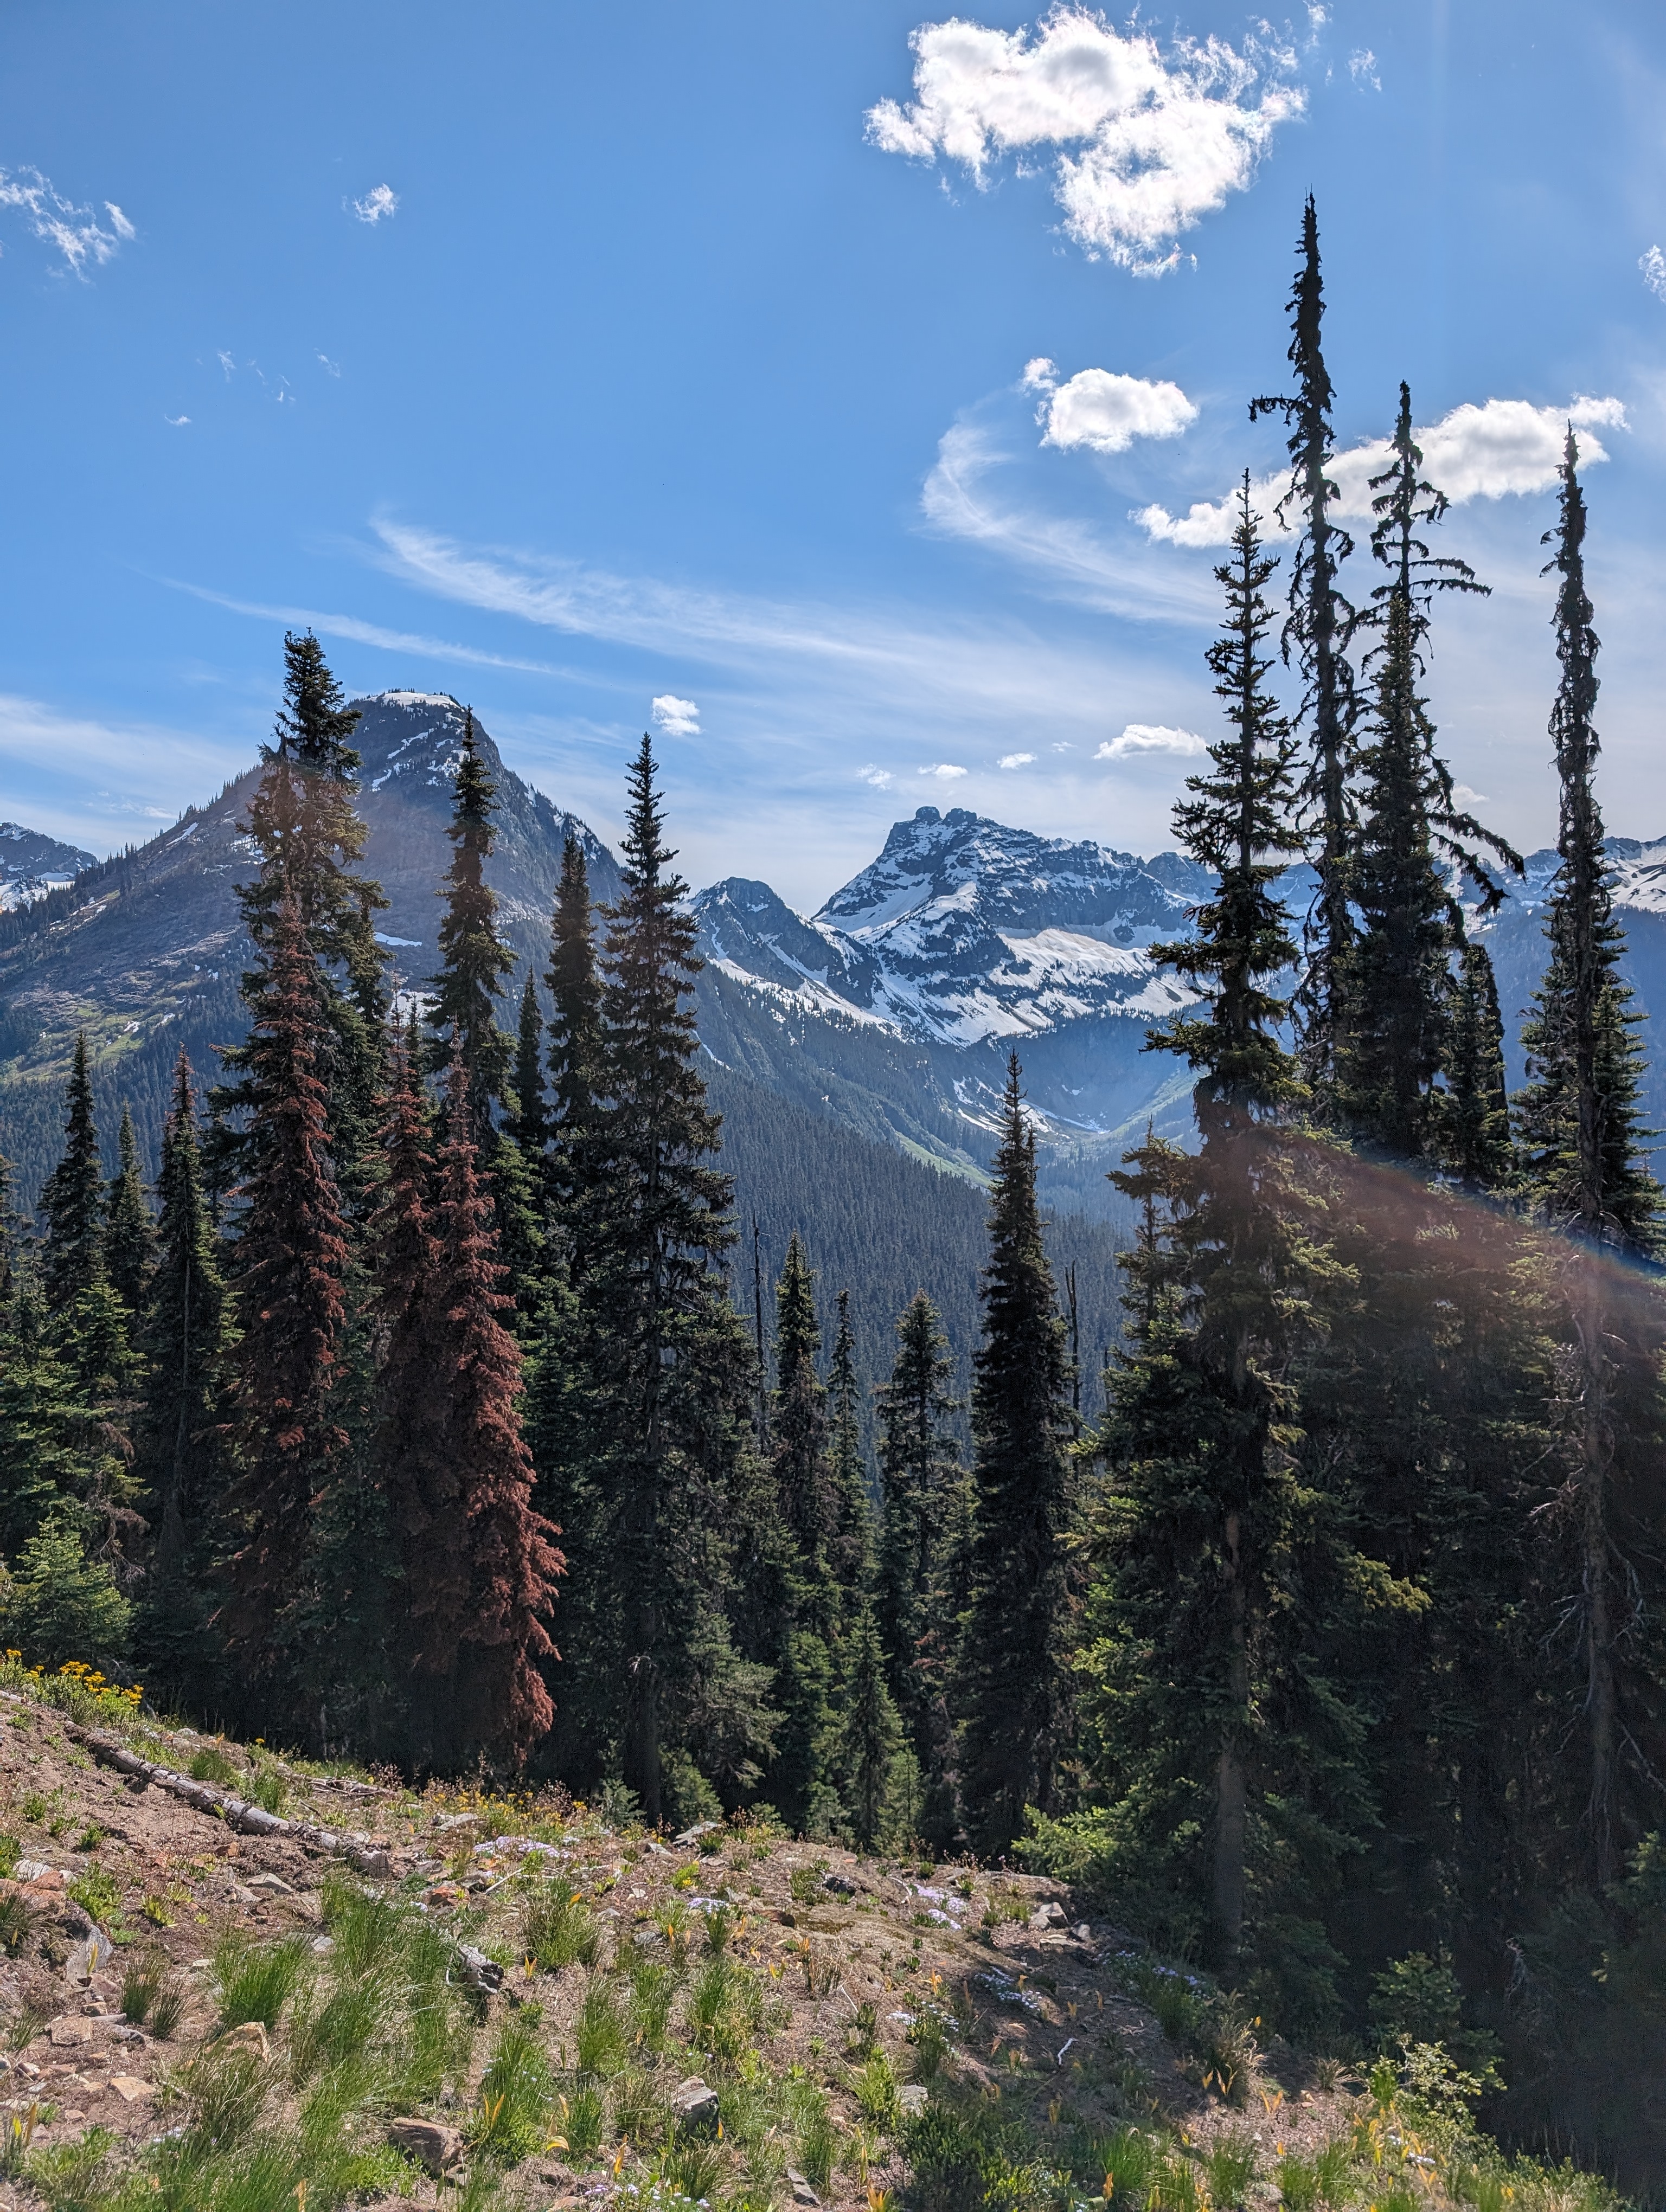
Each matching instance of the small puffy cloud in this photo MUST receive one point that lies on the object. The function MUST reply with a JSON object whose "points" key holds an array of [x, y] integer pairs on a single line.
{"points": [[945, 769], [75, 231], [1156, 141], [1504, 447], [1653, 265], [1040, 374], [678, 718], [177, 421], [1016, 760], [878, 777], [1107, 412], [377, 203], [1362, 68], [1464, 796], [1150, 737]]}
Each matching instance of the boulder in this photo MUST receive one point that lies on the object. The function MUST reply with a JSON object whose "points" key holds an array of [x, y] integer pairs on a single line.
{"points": [[130, 2087], [1050, 1915], [477, 1971], [692, 2102], [65, 2034], [435, 2147], [912, 2101], [802, 2193]]}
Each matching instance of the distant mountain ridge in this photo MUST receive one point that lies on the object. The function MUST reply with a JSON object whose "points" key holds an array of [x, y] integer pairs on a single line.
{"points": [[891, 1010]]}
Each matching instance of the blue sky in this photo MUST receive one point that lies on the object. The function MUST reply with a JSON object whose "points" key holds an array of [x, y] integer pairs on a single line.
{"points": [[570, 359]]}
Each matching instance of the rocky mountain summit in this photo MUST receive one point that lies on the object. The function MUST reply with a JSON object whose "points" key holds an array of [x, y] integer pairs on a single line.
{"points": [[32, 865]]}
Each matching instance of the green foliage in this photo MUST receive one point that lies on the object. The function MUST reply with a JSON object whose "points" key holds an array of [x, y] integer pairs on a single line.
{"points": [[61, 1605], [600, 2044], [517, 2093], [17, 1923], [97, 1891], [557, 1928], [210, 1763], [255, 1981]]}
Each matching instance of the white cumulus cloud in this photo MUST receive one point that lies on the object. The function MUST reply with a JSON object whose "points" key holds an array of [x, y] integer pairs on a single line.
{"points": [[75, 231], [1653, 265], [1505, 446], [1101, 409], [878, 777], [678, 718], [1016, 760], [1150, 737], [381, 201], [1160, 140], [945, 769]]}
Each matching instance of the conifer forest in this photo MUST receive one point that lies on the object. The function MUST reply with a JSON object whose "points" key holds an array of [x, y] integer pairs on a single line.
{"points": [[424, 1407]]}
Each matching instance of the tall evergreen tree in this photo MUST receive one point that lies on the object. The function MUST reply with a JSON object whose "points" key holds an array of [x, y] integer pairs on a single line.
{"points": [[575, 1025], [667, 1369], [72, 1198], [479, 1567], [1410, 922], [130, 1234], [920, 1477], [531, 1128], [1314, 636], [870, 1738], [1474, 1127], [1581, 1131], [289, 1261], [181, 1460], [1013, 1689], [852, 1539], [463, 1011], [303, 822]]}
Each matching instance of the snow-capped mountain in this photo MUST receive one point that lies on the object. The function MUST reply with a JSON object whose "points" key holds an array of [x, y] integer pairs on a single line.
{"points": [[965, 939], [32, 865]]}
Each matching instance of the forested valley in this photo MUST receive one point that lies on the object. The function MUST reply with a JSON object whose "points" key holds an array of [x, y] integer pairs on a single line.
{"points": [[435, 1409]]}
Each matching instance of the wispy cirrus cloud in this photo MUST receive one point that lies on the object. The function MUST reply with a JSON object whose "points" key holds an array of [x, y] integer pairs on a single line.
{"points": [[75, 230], [100, 783], [1149, 142]]}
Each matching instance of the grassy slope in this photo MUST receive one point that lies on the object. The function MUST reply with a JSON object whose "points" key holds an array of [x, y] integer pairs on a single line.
{"points": [[806, 1985]]}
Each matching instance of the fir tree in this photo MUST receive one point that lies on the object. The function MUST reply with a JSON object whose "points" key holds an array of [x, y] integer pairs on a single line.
{"points": [[72, 1198], [667, 1370], [479, 1568], [1585, 1163], [1579, 1118], [181, 1458], [530, 1128], [41, 1415], [920, 1475], [1474, 1139], [303, 822], [1315, 635], [1013, 1686], [870, 1741], [575, 1025], [1397, 1044], [130, 1234], [289, 1261], [464, 1010], [851, 1525]]}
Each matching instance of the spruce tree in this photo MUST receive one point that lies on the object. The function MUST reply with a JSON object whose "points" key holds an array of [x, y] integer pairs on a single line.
{"points": [[72, 1197], [130, 1234], [852, 1524], [919, 1476], [1314, 636], [478, 1567], [1410, 922], [184, 1337], [463, 1011], [289, 1264], [41, 1414], [871, 1738], [1585, 1165], [1013, 1686]]}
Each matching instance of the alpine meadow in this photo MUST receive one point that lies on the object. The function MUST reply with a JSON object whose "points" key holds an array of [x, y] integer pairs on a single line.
{"points": [[705, 1423]]}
